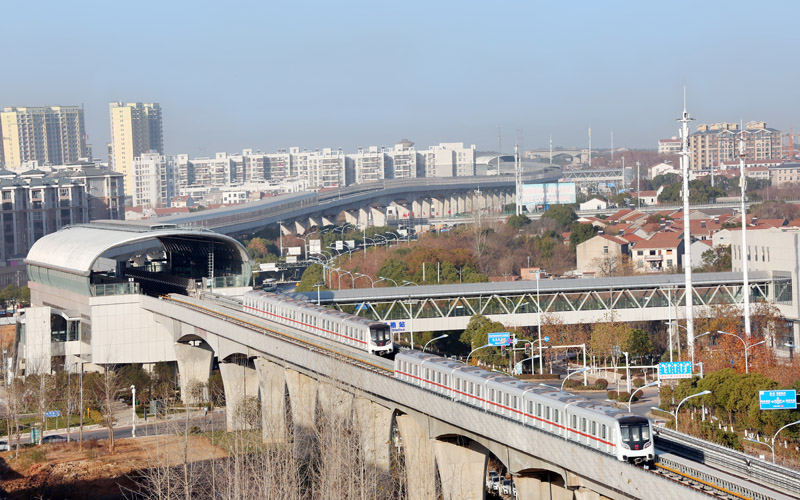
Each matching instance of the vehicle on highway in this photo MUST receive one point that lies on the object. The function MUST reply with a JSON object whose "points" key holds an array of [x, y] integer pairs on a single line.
{"points": [[4, 446], [54, 439], [609, 430], [374, 337], [491, 479], [505, 487], [269, 285]]}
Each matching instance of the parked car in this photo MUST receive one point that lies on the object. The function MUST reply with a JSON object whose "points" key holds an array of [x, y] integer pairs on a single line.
{"points": [[4, 446], [505, 487], [491, 478], [54, 439], [496, 485]]}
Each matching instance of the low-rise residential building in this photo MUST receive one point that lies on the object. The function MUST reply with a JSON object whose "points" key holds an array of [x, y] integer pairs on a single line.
{"points": [[594, 204], [601, 254], [669, 146], [660, 252], [41, 201]]}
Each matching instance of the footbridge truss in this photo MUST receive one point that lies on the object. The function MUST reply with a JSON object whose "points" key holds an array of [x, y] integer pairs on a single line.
{"points": [[636, 298]]}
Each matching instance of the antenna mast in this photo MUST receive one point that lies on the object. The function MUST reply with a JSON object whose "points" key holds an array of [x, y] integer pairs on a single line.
{"points": [[687, 237], [745, 249]]}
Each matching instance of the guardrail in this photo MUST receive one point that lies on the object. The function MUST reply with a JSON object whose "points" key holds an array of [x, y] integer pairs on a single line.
{"points": [[747, 466]]}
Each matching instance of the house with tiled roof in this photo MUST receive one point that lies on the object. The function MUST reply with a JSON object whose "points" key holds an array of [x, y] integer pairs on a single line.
{"points": [[660, 252], [601, 253]]}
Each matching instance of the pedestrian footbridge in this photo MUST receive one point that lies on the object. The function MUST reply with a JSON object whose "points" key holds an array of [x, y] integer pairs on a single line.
{"points": [[568, 301]]}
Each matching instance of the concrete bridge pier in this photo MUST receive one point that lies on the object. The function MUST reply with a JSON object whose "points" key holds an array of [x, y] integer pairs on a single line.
{"points": [[462, 470], [303, 403], [416, 207], [419, 459], [315, 221], [551, 487], [374, 423], [363, 217], [299, 227], [351, 217], [194, 367], [328, 220], [241, 384], [272, 385], [378, 216]]}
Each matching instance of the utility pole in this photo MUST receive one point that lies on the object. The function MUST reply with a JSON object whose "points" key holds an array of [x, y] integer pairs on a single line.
{"points": [[638, 185]]}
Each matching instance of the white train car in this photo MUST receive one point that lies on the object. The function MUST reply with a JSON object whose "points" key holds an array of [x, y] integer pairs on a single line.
{"points": [[606, 429], [363, 334]]}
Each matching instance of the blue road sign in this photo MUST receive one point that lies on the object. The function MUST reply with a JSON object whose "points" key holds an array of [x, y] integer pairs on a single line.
{"points": [[676, 369], [778, 400], [546, 338], [52, 414], [500, 338], [361, 305], [397, 326]]}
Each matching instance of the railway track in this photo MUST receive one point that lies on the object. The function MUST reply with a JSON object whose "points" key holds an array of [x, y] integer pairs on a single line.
{"points": [[342, 353]]}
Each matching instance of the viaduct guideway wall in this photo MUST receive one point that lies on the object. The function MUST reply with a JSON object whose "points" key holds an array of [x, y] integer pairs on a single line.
{"points": [[523, 449]]}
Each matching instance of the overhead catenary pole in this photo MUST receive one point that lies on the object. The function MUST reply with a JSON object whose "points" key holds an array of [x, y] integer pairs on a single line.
{"points": [[745, 253], [687, 238]]}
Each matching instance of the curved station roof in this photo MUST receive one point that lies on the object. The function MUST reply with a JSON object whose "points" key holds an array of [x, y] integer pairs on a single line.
{"points": [[76, 249]]}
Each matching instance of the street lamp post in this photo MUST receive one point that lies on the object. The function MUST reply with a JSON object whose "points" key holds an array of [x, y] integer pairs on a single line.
{"points": [[431, 340], [683, 401], [639, 389], [371, 281], [539, 321], [627, 372], [579, 370], [776, 435], [406, 282], [382, 278], [133, 410], [746, 347], [477, 349]]}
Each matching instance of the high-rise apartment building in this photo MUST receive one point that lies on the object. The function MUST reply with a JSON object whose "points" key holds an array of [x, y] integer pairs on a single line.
{"points": [[154, 180], [135, 129], [49, 135], [449, 159], [719, 142]]}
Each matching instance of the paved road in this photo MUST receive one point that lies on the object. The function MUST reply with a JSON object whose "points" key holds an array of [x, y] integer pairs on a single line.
{"points": [[213, 421]]}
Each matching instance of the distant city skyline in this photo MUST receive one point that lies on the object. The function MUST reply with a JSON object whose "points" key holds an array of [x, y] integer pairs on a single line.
{"points": [[355, 74]]}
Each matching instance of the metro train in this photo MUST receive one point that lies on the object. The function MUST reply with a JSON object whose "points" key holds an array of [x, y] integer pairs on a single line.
{"points": [[609, 430], [367, 335]]}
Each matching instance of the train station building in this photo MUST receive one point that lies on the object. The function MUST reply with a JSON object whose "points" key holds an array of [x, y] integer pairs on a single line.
{"points": [[88, 282]]}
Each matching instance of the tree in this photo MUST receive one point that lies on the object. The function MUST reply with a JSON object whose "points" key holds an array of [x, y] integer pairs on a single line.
{"points": [[107, 387], [517, 221], [311, 276], [477, 334], [638, 343], [580, 233], [563, 215], [716, 259]]}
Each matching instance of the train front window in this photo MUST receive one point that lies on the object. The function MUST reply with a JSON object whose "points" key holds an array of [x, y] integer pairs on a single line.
{"points": [[635, 433], [380, 336]]}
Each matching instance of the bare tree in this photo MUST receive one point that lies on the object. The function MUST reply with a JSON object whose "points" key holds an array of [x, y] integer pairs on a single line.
{"points": [[107, 388]]}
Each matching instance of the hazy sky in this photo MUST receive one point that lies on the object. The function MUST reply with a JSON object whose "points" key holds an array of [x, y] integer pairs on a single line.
{"points": [[270, 75]]}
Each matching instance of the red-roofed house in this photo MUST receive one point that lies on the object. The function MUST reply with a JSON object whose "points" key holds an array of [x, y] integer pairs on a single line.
{"points": [[602, 253], [163, 212], [660, 252]]}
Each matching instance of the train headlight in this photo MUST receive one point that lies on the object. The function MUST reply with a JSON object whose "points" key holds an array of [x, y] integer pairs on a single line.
{"points": [[648, 444], [625, 446]]}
